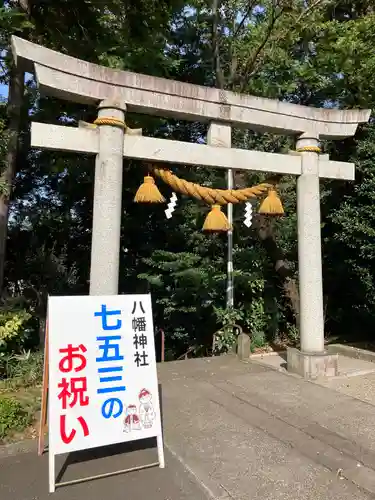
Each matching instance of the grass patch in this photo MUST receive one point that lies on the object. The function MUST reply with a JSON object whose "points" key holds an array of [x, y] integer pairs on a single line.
{"points": [[23, 372]]}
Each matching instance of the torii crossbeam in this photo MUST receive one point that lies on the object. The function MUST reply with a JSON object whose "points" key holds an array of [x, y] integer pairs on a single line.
{"points": [[115, 92]]}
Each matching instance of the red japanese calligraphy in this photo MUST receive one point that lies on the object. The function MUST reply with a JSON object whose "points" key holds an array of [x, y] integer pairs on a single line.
{"points": [[73, 360], [74, 390], [68, 438]]}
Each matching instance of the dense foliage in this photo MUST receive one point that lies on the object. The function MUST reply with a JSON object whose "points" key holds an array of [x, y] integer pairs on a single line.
{"points": [[317, 52]]}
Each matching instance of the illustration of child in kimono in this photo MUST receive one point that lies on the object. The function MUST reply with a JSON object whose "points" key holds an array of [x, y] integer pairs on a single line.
{"points": [[146, 409], [131, 421]]}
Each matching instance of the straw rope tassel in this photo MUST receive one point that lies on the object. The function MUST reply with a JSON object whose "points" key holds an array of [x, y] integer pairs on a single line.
{"points": [[216, 220], [271, 205], [148, 192]]}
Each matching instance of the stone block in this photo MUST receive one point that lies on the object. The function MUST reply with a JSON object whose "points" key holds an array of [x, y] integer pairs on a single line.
{"points": [[312, 366], [243, 346]]}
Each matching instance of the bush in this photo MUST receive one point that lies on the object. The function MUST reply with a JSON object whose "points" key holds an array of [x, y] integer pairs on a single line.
{"points": [[14, 330], [24, 370], [13, 417], [226, 337], [258, 340]]}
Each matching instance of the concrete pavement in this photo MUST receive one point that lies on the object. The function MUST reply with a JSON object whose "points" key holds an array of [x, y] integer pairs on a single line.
{"points": [[361, 387], [251, 432], [232, 431], [24, 476]]}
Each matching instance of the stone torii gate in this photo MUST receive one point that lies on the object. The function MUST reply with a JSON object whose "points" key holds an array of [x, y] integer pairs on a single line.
{"points": [[116, 92]]}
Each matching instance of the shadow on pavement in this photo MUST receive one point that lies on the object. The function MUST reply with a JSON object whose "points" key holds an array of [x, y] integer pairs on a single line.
{"points": [[103, 452]]}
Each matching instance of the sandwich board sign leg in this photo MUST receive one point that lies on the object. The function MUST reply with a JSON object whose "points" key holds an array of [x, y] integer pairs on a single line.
{"points": [[103, 385], [43, 411]]}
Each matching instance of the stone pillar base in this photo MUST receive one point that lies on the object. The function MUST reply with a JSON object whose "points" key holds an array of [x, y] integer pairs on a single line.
{"points": [[312, 366]]}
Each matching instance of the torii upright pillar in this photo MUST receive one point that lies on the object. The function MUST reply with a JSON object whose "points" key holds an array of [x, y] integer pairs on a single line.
{"points": [[311, 360], [75, 80], [106, 226]]}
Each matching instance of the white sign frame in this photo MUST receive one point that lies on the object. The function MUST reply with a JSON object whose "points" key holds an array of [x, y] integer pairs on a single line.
{"points": [[106, 392]]}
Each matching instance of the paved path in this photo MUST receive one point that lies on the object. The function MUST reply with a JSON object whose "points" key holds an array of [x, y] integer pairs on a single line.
{"points": [[248, 431], [233, 431], [24, 476], [362, 387]]}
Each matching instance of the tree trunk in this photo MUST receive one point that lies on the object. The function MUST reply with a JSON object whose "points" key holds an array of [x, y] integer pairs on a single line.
{"points": [[290, 285], [15, 97]]}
